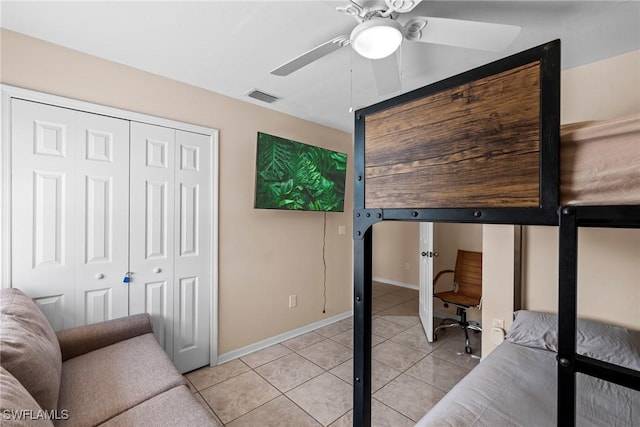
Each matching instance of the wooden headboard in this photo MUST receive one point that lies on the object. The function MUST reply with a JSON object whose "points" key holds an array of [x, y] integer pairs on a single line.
{"points": [[487, 138]]}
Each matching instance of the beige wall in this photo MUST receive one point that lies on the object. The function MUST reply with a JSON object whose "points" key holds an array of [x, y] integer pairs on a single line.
{"points": [[265, 256], [601, 90], [497, 280], [395, 252], [608, 273]]}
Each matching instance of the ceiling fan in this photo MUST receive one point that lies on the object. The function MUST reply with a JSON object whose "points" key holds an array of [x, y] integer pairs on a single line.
{"points": [[378, 36]]}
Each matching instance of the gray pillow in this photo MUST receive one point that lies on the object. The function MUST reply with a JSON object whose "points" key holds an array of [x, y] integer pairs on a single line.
{"points": [[613, 344], [30, 351]]}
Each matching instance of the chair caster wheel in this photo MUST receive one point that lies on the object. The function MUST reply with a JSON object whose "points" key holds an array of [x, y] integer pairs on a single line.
{"points": [[467, 350]]}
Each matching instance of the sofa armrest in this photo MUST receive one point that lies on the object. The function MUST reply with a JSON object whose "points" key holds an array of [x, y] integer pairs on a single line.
{"points": [[83, 339]]}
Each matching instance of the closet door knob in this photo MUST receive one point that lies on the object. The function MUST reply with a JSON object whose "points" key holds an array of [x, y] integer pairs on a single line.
{"points": [[157, 270], [99, 276]]}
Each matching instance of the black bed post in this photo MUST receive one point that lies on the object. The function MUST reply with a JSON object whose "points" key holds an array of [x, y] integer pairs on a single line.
{"points": [[362, 265], [362, 330], [517, 267], [567, 314]]}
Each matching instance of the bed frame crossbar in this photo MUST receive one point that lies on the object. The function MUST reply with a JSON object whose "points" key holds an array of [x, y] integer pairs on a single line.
{"points": [[607, 371]]}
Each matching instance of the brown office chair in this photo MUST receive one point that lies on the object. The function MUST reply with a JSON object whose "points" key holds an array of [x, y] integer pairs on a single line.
{"points": [[466, 293]]}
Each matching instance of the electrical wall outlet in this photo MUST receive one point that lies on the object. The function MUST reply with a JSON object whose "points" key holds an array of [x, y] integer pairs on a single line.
{"points": [[342, 230], [293, 301], [498, 323], [407, 266]]}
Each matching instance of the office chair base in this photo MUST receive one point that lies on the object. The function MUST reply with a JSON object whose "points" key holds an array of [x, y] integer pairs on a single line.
{"points": [[462, 324]]}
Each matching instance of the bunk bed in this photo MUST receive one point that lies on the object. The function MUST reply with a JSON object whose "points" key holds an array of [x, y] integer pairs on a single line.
{"points": [[484, 147]]}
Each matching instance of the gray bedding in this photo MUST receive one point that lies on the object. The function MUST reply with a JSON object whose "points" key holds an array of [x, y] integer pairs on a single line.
{"points": [[516, 386]]}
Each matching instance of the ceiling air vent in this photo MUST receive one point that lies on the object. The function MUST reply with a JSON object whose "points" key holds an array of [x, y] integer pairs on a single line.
{"points": [[261, 96]]}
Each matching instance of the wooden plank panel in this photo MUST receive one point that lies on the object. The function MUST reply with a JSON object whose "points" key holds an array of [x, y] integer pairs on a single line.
{"points": [[476, 145]]}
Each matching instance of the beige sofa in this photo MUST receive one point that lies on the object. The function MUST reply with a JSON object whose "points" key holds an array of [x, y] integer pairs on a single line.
{"points": [[112, 374]]}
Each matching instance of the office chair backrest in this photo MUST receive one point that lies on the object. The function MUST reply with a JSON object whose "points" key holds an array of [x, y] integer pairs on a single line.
{"points": [[468, 273]]}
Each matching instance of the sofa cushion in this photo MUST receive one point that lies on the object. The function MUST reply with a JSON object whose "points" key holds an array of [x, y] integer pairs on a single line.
{"points": [[175, 407], [17, 407], [29, 350], [101, 384]]}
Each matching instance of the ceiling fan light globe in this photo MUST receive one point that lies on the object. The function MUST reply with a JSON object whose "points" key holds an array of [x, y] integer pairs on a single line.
{"points": [[376, 38]]}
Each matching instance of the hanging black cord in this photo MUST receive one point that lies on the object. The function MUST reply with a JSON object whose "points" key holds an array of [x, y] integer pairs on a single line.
{"points": [[324, 263]]}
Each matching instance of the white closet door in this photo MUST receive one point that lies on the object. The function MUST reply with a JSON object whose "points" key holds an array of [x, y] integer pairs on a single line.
{"points": [[102, 191], [70, 212], [193, 250], [152, 150], [43, 214]]}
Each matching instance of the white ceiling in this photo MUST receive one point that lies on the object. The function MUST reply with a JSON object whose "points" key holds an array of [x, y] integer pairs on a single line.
{"points": [[230, 47]]}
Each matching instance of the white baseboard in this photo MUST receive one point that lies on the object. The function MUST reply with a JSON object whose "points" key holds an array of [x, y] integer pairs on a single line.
{"points": [[243, 351], [395, 282]]}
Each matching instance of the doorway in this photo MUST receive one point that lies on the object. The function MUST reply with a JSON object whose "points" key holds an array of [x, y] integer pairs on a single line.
{"points": [[438, 247], [398, 260]]}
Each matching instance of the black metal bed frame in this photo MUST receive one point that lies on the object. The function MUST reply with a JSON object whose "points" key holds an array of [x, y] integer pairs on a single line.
{"points": [[569, 362], [548, 213]]}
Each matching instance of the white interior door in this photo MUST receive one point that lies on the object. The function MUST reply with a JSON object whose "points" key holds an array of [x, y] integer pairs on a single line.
{"points": [[192, 265], [102, 236], [170, 244], [43, 213], [70, 212], [425, 309], [151, 287]]}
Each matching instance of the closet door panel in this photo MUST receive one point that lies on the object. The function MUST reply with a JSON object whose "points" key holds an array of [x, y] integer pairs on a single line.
{"points": [[151, 288], [43, 213], [102, 189], [193, 250], [156, 303]]}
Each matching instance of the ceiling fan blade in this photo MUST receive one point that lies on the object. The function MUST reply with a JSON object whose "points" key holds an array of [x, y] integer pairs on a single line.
{"points": [[462, 33], [311, 56], [387, 74]]}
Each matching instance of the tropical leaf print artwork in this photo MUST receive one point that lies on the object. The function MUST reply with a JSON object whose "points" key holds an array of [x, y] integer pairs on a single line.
{"points": [[296, 176]]}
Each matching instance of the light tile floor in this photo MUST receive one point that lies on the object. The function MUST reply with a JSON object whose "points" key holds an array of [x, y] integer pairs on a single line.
{"points": [[306, 381]]}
